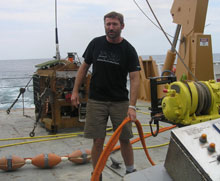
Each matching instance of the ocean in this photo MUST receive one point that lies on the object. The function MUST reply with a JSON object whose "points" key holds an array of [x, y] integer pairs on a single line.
{"points": [[15, 74]]}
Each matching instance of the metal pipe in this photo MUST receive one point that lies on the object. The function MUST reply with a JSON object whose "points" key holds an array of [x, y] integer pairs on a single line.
{"points": [[56, 34], [173, 47]]}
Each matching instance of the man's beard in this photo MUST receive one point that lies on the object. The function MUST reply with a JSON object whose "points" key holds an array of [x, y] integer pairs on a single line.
{"points": [[113, 34]]}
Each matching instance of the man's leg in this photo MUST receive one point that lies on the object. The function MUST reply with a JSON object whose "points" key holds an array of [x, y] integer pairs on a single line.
{"points": [[118, 112], [95, 127], [96, 150], [127, 152]]}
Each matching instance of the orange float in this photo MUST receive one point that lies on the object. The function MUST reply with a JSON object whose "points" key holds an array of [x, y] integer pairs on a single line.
{"points": [[46, 160], [80, 156], [11, 163]]}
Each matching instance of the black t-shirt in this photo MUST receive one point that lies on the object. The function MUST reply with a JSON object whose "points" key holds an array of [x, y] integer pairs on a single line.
{"points": [[111, 64]]}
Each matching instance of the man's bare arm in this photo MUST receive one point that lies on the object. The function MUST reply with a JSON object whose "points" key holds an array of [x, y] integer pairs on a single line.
{"points": [[134, 86], [78, 81]]}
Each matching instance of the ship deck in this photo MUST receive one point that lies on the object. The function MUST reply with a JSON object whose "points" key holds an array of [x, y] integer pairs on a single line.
{"points": [[15, 125]]}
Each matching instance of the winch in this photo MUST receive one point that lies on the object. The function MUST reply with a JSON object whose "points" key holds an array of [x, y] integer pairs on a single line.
{"points": [[191, 102]]}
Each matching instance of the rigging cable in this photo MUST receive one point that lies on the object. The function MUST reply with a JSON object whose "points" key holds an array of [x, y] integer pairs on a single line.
{"points": [[150, 18], [22, 91], [45, 94], [6, 78], [187, 68], [12, 102], [14, 87]]}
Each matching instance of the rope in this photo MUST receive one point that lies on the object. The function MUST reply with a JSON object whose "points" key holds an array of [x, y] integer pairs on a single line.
{"points": [[49, 138], [27, 142], [36, 137], [153, 146]]}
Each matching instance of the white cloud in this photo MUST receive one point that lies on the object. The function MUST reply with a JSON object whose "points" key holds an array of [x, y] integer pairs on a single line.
{"points": [[27, 26]]}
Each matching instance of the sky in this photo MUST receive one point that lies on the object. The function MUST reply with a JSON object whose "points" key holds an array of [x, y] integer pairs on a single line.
{"points": [[27, 27]]}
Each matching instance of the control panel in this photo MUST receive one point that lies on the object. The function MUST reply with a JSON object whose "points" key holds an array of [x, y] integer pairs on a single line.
{"points": [[202, 143]]}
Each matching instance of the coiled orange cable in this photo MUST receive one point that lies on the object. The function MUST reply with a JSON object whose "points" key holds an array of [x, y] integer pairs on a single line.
{"points": [[112, 142], [146, 136]]}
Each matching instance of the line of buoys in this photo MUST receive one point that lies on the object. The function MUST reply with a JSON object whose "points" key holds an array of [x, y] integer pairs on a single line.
{"points": [[11, 163], [46, 160], [50, 160], [80, 156]]}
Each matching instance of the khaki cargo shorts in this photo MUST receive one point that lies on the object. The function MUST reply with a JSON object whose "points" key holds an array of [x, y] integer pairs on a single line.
{"points": [[97, 114]]}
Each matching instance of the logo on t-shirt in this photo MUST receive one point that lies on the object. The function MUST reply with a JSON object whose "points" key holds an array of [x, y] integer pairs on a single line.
{"points": [[108, 57]]}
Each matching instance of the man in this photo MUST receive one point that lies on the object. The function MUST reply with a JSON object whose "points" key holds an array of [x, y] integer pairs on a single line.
{"points": [[113, 58]]}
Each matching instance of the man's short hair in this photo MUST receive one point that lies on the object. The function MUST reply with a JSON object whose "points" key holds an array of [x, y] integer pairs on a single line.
{"points": [[116, 15]]}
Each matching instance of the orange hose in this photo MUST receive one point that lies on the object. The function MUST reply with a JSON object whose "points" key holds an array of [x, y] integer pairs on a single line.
{"points": [[107, 150], [111, 143], [140, 131], [146, 136]]}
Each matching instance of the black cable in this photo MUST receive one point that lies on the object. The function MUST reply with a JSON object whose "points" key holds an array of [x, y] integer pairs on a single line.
{"points": [[22, 91], [150, 19], [154, 133], [42, 99], [168, 71]]}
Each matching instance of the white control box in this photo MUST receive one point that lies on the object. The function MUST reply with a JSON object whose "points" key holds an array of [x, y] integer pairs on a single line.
{"points": [[194, 152]]}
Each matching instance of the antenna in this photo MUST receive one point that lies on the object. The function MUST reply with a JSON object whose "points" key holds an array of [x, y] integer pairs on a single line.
{"points": [[56, 33]]}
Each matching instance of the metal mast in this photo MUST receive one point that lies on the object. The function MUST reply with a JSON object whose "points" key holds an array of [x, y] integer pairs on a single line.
{"points": [[56, 33]]}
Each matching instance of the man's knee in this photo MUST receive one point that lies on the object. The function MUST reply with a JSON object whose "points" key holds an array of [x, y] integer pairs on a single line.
{"points": [[98, 142], [124, 141]]}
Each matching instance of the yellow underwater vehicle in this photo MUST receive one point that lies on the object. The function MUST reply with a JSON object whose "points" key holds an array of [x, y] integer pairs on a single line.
{"points": [[53, 84]]}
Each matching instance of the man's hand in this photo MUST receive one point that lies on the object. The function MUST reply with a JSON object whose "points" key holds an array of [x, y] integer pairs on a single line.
{"points": [[75, 99], [132, 114], [78, 81]]}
